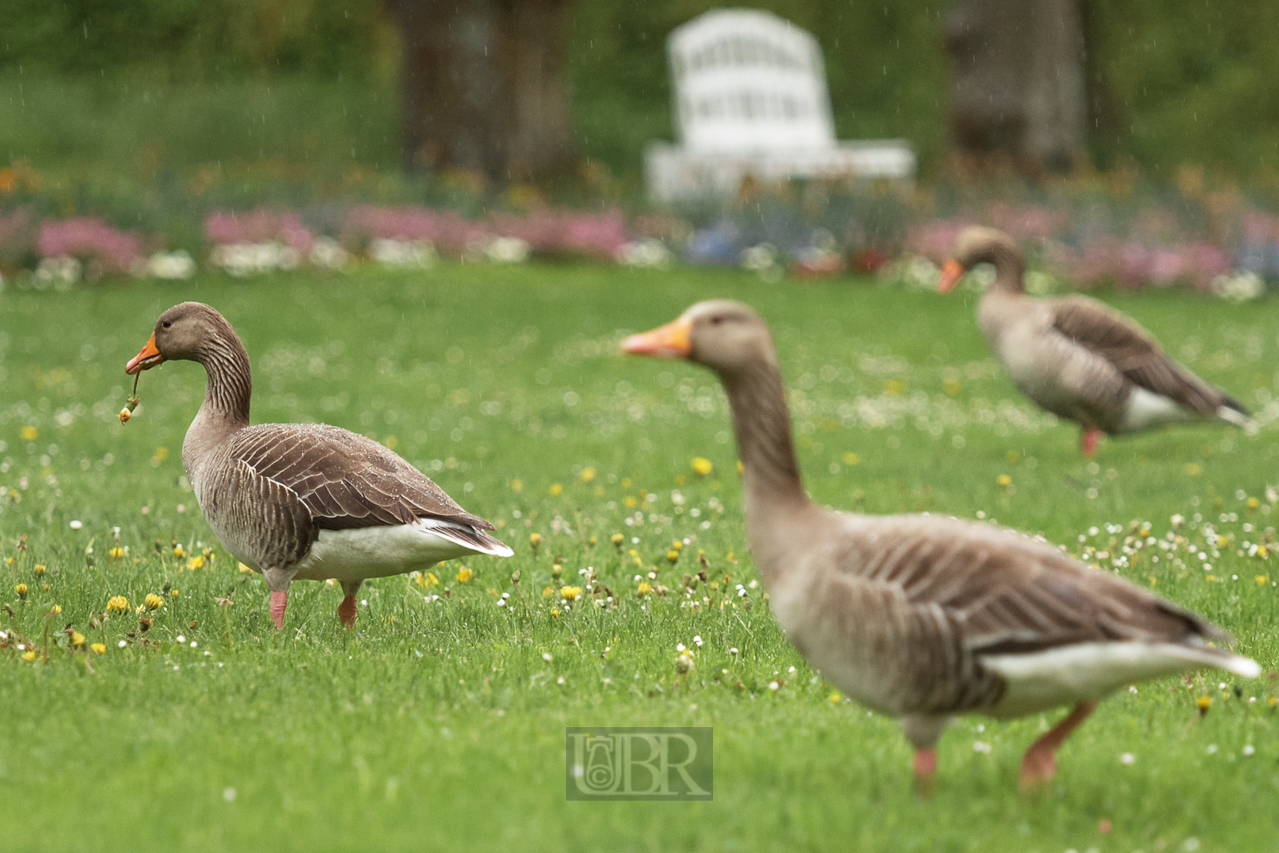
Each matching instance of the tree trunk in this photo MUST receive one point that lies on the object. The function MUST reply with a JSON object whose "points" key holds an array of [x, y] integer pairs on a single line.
{"points": [[1017, 97], [484, 86]]}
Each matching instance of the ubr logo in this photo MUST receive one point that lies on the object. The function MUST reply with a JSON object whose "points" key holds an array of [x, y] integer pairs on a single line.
{"points": [[639, 763]]}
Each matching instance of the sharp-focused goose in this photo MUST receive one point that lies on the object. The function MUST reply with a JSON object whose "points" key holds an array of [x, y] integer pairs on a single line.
{"points": [[302, 500], [920, 617], [1077, 358]]}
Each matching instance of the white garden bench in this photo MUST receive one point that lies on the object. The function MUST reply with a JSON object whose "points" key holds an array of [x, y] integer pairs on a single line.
{"points": [[750, 100]]}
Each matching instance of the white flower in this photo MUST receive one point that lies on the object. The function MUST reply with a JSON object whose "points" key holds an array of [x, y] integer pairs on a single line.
{"points": [[644, 254], [170, 266], [327, 253], [507, 250], [1238, 286], [403, 253]]}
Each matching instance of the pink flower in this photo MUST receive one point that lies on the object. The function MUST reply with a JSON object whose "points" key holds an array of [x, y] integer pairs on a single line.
{"points": [[90, 240]]}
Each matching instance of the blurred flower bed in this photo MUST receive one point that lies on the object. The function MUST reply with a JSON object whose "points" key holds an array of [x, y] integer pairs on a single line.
{"points": [[1100, 231]]}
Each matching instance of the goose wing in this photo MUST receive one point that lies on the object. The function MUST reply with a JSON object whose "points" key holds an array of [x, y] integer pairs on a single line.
{"points": [[344, 480], [1007, 592], [1132, 351]]}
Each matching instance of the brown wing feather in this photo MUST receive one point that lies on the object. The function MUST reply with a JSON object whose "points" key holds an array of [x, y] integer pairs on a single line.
{"points": [[1009, 593], [344, 479], [1132, 351]]}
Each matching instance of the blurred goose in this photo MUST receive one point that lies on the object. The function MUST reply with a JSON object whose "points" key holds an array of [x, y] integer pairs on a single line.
{"points": [[921, 617], [302, 500], [1077, 358]]}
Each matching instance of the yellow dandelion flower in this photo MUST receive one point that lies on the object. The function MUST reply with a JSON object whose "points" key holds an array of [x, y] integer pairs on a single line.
{"points": [[464, 575], [851, 458], [1262, 580], [740, 466], [38, 568], [587, 475], [547, 592], [118, 604], [644, 588], [77, 639], [617, 539], [116, 553], [555, 613], [29, 656], [1203, 703], [1272, 701], [835, 697], [1193, 470], [245, 570], [556, 489], [672, 555], [30, 433], [629, 502], [1004, 481], [173, 592], [152, 601], [1222, 541], [179, 551], [196, 562], [534, 539], [702, 465], [516, 485], [99, 648], [21, 590], [570, 593], [1263, 552], [1253, 503], [55, 609]]}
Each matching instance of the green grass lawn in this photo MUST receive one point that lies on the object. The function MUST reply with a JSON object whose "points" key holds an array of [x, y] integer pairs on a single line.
{"points": [[440, 724]]}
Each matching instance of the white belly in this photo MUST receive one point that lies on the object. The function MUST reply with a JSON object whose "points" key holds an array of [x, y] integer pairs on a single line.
{"points": [[1145, 409], [1074, 674], [376, 552]]}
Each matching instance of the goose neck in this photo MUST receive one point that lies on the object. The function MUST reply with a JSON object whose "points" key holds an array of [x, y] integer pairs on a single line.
{"points": [[770, 474], [226, 400], [1010, 270]]}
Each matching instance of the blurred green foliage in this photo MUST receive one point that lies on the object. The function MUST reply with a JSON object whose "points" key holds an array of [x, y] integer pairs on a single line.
{"points": [[1172, 83]]}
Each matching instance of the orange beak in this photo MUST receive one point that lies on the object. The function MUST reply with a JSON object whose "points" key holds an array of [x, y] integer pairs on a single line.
{"points": [[669, 341], [951, 272], [148, 358]]}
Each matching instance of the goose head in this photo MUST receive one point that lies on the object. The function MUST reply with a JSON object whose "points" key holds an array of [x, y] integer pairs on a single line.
{"points": [[721, 334], [975, 245], [183, 332]]}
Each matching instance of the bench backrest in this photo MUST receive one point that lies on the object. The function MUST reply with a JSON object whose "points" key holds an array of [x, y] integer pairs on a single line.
{"points": [[747, 80]]}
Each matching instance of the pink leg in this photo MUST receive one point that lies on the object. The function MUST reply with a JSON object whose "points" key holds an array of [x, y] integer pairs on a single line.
{"points": [[925, 771], [279, 600], [346, 611], [1088, 442], [1040, 762]]}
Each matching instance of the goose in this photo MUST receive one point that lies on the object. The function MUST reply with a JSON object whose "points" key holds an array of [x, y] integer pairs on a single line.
{"points": [[304, 501], [921, 617], [1078, 358]]}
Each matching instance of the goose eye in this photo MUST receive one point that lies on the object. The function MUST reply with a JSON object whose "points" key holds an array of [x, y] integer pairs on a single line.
{"points": [[716, 320], [167, 323]]}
